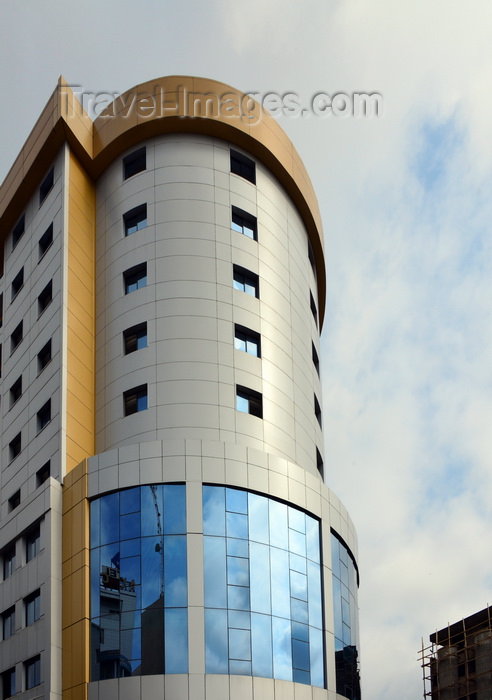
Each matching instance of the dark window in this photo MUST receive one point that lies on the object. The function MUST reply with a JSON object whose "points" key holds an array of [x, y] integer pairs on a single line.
{"points": [[17, 282], [32, 606], [243, 166], [135, 278], [8, 557], [18, 231], [134, 163], [45, 297], [315, 359], [15, 446], [319, 463], [246, 281], [45, 241], [314, 310], [311, 257], [247, 341], [8, 623], [1, 310], [43, 416], [16, 337], [44, 356], [244, 223], [8, 683], [317, 409], [43, 474], [135, 338], [33, 543], [135, 219], [46, 185], [135, 400], [249, 401], [16, 390], [14, 500], [33, 672]]}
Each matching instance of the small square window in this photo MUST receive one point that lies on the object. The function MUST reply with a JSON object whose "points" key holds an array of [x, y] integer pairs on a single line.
{"points": [[249, 401], [43, 416], [8, 623], [8, 683], [16, 337], [244, 223], [33, 672], [46, 185], [319, 463], [43, 473], [18, 231], [8, 557], [314, 310], [135, 400], [33, 543], [45, 241], [247, 341], [44, 356], [32, 606], [135, 278], [135, 338], [317, 409], [134, 163], [315, 359], [17, 283], [14, 501], [246, 281], [45, 298], [135, 219], [16, 390], [15, 447], [243, 166]]}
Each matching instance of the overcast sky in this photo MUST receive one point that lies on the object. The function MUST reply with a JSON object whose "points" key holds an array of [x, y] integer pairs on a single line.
{"points": [[407, 208]]}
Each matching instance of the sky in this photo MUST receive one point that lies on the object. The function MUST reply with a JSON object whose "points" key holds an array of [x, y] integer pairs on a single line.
{"points": [[406, 207]]}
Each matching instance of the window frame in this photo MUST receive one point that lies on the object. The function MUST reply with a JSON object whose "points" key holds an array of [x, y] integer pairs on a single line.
{"points": [[33, 543], [243, 166], [9, 674], [45, 298], [133, 218], [45, 242], [253, 398], [8, 622], [32, 607], [17, 284], [33, 666], [16, 391], [15, 446], [14, 500], [132, 336], [43, 473], [243, 222], [43, 416], [133, 162], [18, 231], [250, 279], [8, 562], [133, 397], [43, 359], [131, 278], [47, 185], [249, 337], [16, 337]]}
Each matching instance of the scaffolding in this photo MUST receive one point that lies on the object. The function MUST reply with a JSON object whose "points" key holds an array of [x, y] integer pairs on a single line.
{"points": [[457, 665]]}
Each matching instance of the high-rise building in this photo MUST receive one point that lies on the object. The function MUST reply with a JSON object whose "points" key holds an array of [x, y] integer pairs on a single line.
{"points": [[166, 530], [458, 663]]}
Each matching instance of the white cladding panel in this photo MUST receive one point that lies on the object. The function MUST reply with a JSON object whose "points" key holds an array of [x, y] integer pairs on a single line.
{"points": [[190, 365]]}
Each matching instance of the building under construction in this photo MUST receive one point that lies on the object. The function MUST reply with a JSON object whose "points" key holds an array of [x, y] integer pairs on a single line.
{"points": [[458, 663]]}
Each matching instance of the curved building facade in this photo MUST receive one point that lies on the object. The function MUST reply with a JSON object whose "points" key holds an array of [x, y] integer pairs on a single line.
{"points": [[164, 281]]}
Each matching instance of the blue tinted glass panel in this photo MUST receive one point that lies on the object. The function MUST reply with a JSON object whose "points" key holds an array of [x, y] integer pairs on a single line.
{"points": [[139, 618], [273, 623]]}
